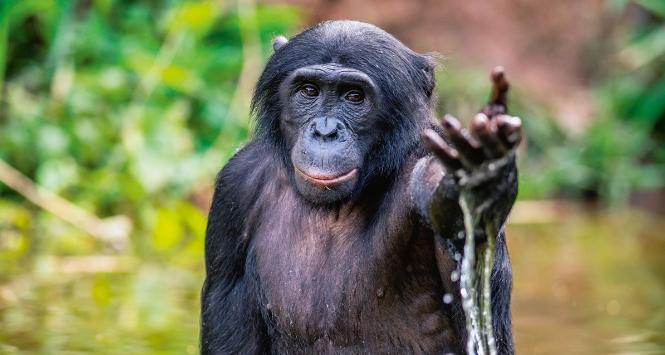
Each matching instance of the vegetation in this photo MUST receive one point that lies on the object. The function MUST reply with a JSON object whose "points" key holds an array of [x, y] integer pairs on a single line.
{"points": [[623, 148], [128, 109]]}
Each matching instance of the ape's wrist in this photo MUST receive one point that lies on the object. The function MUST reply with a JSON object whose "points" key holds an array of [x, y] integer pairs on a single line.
{"points": [[490, 199], [494, 199]]}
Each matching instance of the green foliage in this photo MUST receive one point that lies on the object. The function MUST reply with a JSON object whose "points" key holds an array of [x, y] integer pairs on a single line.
{"points": [[623, 149], [126, 109]]}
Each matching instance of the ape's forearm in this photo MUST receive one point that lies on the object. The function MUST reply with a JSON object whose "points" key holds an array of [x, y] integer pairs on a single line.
{"points": [[434, 194]]}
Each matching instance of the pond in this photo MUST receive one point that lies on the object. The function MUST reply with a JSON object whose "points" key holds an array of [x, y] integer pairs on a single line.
{"points": [[589, 284], [585, 283]]}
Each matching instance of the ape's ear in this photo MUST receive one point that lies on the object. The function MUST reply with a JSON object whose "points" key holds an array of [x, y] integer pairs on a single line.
{"points": [[428, 66], [279, 42]]}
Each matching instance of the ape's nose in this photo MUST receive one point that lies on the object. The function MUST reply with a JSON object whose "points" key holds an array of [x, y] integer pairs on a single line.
{"points": [[326, 129]]}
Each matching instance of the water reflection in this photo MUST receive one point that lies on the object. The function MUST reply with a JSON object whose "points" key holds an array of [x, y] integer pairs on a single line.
{"points": [[584, 284], [152, 310], [590, 284]]}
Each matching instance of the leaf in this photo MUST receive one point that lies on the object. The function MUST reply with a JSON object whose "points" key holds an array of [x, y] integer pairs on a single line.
{"points": [[655, 6], [650, 107], [196, 17], [168, 231], [645, 50]]}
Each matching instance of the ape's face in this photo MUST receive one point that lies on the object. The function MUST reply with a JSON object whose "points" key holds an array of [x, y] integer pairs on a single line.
{"points": [[345, 102], [326, 109]]}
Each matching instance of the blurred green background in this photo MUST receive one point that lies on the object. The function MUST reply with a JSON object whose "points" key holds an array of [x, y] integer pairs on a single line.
{"points": [[116, 115]]}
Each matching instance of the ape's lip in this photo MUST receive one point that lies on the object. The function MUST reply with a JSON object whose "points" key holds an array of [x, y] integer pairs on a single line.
{"points": [[325, 180]]}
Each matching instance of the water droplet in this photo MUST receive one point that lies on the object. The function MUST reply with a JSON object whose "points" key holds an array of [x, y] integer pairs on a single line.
{"points": [[447, 298], [460, 235], [454, 276]]}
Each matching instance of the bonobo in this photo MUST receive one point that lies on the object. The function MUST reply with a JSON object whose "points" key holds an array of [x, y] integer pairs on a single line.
{"points": [[337, 228]]}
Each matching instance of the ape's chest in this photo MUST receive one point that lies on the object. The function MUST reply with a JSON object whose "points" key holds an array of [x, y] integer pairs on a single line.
{"points": [[338, 282], [314, 280]]}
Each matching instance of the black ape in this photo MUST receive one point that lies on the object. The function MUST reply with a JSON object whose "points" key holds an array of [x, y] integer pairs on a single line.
{"points": [[334, 231]]}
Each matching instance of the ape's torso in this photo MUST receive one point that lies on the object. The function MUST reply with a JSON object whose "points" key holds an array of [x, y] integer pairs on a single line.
{"points": [[361, 279], [331, 232]]}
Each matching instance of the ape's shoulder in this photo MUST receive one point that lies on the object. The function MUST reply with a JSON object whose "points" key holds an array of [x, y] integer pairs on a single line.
{"points": [[246, 159], [237, 189], [246, 171], [240, 182]]}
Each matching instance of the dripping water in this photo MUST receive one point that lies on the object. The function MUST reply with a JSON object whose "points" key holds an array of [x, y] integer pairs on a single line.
{"points": [[475, 286], [476, 269]]}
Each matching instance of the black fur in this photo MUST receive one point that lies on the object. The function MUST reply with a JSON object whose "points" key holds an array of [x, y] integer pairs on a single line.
{"points": [[363, 275]]}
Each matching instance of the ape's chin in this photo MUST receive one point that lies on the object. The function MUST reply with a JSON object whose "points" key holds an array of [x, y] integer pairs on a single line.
{"points": [[326, 190]]}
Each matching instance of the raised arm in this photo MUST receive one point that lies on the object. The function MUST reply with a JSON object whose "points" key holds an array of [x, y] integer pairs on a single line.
{"points": [[480, 161], [480, 164]]}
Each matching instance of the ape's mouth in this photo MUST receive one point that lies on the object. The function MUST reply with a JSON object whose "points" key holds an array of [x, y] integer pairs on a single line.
{"points": [[327, 180]]}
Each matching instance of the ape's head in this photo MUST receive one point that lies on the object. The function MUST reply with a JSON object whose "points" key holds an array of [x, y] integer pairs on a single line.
{"points": [[345, 102]]}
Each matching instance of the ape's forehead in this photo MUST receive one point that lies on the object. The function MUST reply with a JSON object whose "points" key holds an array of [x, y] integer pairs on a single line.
{"points": [[352, 34], [352, 44], [347, 28]]}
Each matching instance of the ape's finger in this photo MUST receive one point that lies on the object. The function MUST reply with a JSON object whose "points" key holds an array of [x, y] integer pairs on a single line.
{"points": [[498, 99], [510, 130], [499, 87], [448, 156], [485, 130], [470, 152]]}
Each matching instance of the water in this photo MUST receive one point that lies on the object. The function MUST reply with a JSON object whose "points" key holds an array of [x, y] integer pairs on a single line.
{"points": [[589, 284], [475, 285], [584, 284]]}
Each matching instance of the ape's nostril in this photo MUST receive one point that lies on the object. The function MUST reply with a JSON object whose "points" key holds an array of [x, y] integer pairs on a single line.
{"points": [[326, 129], [325, 134]]}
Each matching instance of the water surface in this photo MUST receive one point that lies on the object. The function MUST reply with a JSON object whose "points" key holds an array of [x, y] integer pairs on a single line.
{"points": [[585, 283]]}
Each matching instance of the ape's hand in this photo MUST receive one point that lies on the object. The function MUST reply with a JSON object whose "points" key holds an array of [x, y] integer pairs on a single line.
{"points": [[483, 159]]}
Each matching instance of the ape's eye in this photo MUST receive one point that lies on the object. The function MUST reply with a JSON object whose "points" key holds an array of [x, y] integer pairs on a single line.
{"points": [[309, 90], [354, 96]]}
